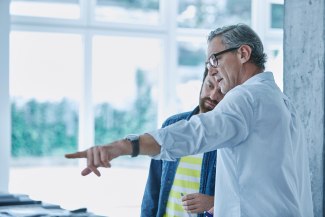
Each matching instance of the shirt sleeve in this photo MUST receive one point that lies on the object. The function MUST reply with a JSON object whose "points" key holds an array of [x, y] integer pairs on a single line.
{"points": [[226, 126]]}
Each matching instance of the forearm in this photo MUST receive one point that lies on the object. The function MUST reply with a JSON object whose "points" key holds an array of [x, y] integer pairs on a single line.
{"points": [[148, 146], [101, 156]]}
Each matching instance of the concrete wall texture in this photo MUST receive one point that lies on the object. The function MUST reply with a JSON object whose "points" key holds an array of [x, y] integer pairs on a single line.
{"points": [[304, 68]]}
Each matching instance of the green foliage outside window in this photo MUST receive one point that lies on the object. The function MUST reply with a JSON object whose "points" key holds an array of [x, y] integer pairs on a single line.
{"points": [[190, 56], [143, 4], [41, 129], [112, 124], [212, 14], [277, 16]]}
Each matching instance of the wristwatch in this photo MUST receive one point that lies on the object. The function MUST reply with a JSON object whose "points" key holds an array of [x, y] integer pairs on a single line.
{"points": [[134, 139]]}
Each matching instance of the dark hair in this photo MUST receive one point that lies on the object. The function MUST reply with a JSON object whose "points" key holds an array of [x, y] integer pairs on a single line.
{"points": [[240, 34], [205, 74]]}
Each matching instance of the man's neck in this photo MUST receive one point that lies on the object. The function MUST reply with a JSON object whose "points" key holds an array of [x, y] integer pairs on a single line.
{"points": [[249, 70]]}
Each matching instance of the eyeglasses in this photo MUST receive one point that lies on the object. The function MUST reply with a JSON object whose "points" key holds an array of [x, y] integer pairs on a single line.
{"points": [[213, 59]]}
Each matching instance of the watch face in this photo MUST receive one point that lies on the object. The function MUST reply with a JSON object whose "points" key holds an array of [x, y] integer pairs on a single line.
{"points": [[132, 137]]}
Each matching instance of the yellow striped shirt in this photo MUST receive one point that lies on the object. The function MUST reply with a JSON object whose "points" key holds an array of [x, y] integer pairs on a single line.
{"points": [[187, 181]]}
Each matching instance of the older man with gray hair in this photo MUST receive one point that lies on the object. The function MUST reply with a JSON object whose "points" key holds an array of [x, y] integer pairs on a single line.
{"points": [[262, 162]]}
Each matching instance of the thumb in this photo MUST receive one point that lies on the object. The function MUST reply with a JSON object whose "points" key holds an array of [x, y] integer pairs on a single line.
{"points": [[211, 210]]}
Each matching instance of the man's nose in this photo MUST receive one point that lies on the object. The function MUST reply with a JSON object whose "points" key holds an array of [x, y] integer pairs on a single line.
{"points": [[216, 95]]}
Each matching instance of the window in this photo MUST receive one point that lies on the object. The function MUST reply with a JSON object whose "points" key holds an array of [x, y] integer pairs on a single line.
{"points": [[62, 9], [275, 63], [44, 102], [192, 17], [209, 13], [125, 81], [191, 58], [277, 15], [133, 12]]}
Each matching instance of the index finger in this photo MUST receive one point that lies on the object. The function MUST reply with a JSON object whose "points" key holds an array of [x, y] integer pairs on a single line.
{"points": [[79, 154]]}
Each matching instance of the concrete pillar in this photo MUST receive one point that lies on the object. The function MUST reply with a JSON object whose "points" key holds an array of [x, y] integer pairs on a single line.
{"points": [[5, 123], [304, 67]]}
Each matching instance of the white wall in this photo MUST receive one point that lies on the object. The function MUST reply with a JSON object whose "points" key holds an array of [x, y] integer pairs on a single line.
{"points": [[304, 68]]}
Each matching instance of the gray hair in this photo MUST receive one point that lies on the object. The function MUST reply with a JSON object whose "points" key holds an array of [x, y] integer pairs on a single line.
{"points": [[240, 34]]}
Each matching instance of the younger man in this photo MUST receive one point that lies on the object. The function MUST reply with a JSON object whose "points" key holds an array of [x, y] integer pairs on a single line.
{"points": [[169, 180]]}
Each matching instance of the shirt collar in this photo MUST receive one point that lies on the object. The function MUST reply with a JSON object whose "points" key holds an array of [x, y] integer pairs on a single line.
{"points": [[263, 76]]}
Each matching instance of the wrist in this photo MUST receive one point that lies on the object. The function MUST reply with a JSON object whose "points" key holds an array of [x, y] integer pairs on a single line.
{"points": [[124, 146], [133, 141]]}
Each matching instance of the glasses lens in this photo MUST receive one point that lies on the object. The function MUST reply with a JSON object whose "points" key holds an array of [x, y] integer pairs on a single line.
{"points": [[213, 61]]}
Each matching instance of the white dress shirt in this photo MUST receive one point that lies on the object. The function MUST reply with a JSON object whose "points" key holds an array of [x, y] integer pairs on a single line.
{"points": [[262, 162]]}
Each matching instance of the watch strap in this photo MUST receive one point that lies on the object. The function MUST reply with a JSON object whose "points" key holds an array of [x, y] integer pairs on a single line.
{"points": [[134, 139], [135, 148]]}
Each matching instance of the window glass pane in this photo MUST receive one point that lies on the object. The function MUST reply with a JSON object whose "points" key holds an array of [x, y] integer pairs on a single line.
{"points": [[277, 15], [45, 91], [191, 58], [62, 9], [275, 62], [125, 74], [209, 13], [126, 11], [45, 87], [125, 83]]}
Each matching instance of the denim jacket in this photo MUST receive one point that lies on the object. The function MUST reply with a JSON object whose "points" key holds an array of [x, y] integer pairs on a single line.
{"points": [[162, 173]]}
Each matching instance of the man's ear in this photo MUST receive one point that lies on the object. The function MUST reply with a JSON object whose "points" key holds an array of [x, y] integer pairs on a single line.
{"points": [[245, 52]]}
